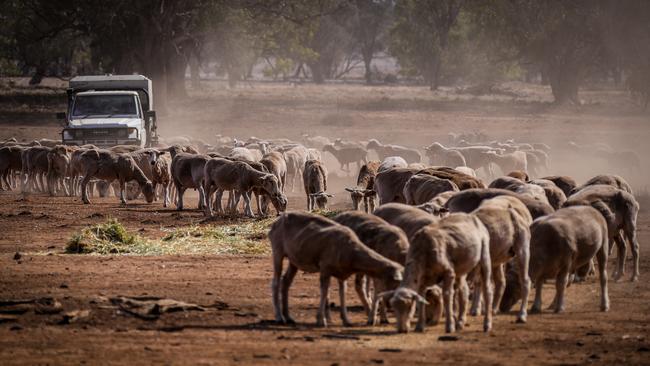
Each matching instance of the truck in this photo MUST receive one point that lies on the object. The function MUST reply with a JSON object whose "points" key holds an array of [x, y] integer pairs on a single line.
{"points": [[109, 110]]}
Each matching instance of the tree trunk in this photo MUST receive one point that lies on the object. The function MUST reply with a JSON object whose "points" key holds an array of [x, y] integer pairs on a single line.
{"points": [[565, 83], [366, 63], [176, 67], [194, 72], [434, 74], [317, 72]]}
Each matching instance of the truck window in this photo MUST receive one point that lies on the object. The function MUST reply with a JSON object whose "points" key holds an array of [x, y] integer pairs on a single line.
{"points": [[102, 105]]}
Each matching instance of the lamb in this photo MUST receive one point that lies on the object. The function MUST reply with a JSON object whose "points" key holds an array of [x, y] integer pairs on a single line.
{"points": [[385, 239], [565, 183], [392, 162], [554, 194], [607, 179], [313, 243], [389, 184], [110, 166], [422, 188], [468, 200], [620, 209], [161, 174], [509, 161], [348, 154], [407, 218], [364, 191], [507, 220], [439, 154], [187, 172], [384, 151], [315, 181], [463, 181], [239, 176], [446, 251], [562, 242]]}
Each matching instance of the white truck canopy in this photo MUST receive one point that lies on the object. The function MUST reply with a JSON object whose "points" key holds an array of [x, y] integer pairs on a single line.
{"points": [[115, 82]]}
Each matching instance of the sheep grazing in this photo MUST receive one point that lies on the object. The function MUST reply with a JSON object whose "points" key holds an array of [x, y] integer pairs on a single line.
{"points": [[468, 200], [565, 183], [422, 188], [187, 172], [109, 166], [385, 239], [314, 178], [562, 242], [389, 184], [313, 243], [364, 191], [384, 151], [408, 218], [276, 165], [620, 209], [462, 180], [392, 162], [606, 179], [347, 154], [446, 251], [507, 220], [239, 176], [554, 194], [439, 154]]}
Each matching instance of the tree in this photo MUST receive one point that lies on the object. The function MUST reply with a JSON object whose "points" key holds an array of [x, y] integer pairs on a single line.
{"points": [[369, 26], [419, 37]]}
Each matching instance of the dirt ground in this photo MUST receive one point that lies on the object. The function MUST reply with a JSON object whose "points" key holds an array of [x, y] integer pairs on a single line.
{"points": [[235, 325]]}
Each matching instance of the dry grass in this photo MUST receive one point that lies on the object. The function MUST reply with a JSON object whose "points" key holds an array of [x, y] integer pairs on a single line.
{"points": [[247, 238]]}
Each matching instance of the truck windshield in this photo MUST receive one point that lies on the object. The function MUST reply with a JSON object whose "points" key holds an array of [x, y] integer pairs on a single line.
{"points": [[112, 105]]}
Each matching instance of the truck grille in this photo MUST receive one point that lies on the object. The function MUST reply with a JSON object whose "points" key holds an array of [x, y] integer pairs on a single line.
{"points": [[103, 133]]}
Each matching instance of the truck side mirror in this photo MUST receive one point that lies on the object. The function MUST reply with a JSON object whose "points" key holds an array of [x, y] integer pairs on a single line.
{"points": [[60, 115], [150, 115]]}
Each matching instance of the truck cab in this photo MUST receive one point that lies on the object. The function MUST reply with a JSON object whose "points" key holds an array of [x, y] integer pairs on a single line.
{"points": [[110, 110]]}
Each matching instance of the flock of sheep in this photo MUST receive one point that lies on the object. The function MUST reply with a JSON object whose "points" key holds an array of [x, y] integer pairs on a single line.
{"points": [[420, 235]]}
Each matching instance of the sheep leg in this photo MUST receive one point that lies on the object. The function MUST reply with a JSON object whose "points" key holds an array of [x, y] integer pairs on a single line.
{"points": [[630, 234], [287, 279], [448, 295], [475, 310], [180, 190], [463, 297], [360, 286], [499, 278], [84, 189], [601, 256], [523, 256], [201, 197], [275, 287], [165, 195], [322, 308], [343, 286], [308, 203], [248, 211], [122, 187], [560, 286], [217, 200], [622, 253], [422, 316]]}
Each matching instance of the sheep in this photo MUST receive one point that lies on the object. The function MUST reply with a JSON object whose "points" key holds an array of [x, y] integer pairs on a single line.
{"points": [[507, 220], [243, 153], [468, 200], [348, 154], [110, 166], [436, 206], [519, 174], [314, 177], [562, 242], [541, 146], [225, 175], [34, 167], [10, 163], [620, 209], [565, 183], [517, 186], [121, 149], [317, 142], [187, 172], [384, 151], [509, 161], [446, 251], [389, 184], [438, 154], [392, 162], [407, 218], [58, 168], [465, 170], [463, 181], [314, 155], [295, 157], [554, 194], [275, 163], [313, 243], [474, 155], [607, 179], [387, 240], [147, 159], [422, 188], [161, 174], [49, 142], [364, 191]]}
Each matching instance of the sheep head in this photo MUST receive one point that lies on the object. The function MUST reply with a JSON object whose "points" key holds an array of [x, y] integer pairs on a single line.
{"points": [[403, 301], [147, 190]]}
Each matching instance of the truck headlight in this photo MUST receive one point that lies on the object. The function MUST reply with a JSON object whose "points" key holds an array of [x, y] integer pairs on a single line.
{"points": [[67, 135], [133, 133]]}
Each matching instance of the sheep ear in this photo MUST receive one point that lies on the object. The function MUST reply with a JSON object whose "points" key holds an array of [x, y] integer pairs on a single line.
{"points": [[349, 189], [398, 276], [381, 295], [418, 297], [328, 195]]}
